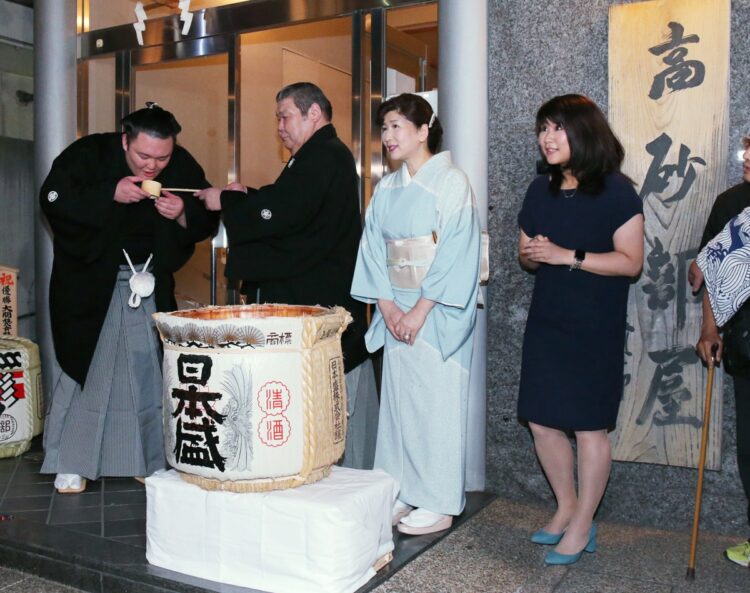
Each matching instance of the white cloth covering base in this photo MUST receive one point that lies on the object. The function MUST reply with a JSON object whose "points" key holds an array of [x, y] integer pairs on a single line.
{"points": [[325, 537]]}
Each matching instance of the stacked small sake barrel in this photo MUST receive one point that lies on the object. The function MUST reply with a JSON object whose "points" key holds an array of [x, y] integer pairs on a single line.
{"points": [[21, 397]]}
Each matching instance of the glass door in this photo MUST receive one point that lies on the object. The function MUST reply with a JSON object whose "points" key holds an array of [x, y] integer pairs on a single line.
{"points": [[411, 55], [318, 52], [195, 91]]}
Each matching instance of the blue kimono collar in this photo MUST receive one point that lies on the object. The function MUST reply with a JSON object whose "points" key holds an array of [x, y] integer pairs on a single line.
{"points": [[437, 161]]}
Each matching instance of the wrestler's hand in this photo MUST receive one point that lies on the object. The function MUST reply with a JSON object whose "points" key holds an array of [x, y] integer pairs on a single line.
{"points": [[391, 315], [695, 277], [172, 207], [211, 198], [127, 192], [541, 250], [236, 186]]}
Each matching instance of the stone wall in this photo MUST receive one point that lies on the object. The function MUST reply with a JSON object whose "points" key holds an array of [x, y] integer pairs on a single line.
{"points": [[538, 50], [17, 193]]}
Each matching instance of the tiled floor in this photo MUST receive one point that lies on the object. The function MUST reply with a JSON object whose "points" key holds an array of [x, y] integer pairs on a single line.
{"points": [[96, 540], [114, 508]]}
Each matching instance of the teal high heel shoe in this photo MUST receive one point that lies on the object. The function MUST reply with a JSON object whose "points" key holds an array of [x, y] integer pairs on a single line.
{"points": [[556, 558], [546, 538]]}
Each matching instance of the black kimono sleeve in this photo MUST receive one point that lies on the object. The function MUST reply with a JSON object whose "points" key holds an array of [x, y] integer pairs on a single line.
{"points": [[283, 208], [77, 197], [321, 218]]}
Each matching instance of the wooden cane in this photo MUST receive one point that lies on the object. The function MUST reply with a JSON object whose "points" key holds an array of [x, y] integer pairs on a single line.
{"points": [[701, 464]]}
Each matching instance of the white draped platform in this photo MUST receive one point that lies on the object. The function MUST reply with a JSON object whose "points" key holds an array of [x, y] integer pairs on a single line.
{"points": [[321, 538]]}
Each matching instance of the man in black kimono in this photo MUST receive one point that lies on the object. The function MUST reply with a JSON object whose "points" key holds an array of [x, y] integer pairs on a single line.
{"points": [[295, 241], [105, 415]]}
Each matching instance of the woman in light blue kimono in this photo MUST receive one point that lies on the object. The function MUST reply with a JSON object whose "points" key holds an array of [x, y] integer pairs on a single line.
{"points": [[419, 263]]}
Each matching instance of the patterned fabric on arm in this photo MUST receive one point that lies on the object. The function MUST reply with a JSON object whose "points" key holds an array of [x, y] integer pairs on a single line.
{"points": [[725, 263]]}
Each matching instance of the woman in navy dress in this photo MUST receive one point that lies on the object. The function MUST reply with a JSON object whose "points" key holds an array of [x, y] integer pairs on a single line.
{"points": [[581, 234]]}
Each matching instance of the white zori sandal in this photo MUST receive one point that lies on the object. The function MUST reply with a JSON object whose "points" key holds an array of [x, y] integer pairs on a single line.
{"points": [[422, 521], [70, 483], [400, 510]]}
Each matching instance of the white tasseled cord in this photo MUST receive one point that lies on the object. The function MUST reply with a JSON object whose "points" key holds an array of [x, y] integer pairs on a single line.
{"points": [[141, 283]]}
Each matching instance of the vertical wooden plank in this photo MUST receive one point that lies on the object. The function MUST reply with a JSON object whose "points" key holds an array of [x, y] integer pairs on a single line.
{"points": [[669, 95]]}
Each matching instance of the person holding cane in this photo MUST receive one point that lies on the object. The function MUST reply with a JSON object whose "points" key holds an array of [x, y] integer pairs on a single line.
{"points": [[732, 337]]}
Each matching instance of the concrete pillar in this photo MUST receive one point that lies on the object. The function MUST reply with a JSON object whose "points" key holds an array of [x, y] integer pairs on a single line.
{"points": [[463, 106], [54, 129]]}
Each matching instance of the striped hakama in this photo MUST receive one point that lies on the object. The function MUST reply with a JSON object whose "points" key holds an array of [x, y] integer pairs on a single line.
{"points": [[113, 426], [362, 423]]}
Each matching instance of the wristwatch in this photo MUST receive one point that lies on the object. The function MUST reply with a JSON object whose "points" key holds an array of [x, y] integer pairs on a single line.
{"points": [[578, 257]]}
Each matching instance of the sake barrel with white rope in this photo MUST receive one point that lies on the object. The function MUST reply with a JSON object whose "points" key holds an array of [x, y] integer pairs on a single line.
{"points": [[254, 395], [21, 395]]}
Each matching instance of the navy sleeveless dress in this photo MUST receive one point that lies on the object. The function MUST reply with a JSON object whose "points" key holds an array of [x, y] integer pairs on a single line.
{"points": [[574, 343]]}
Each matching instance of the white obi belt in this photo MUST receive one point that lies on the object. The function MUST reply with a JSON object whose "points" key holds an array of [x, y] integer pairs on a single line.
{"points": [[409, 260]]}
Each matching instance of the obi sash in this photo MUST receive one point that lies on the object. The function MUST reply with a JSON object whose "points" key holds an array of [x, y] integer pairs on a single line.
{"points": [[409, 260]]}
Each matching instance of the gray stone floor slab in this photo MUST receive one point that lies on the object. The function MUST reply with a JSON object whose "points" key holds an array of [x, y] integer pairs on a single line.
{"points": [[582, 582], [30, 584], [492, 554], [10, 577]]}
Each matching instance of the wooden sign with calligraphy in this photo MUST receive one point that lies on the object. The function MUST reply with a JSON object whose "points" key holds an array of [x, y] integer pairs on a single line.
{"points": [[669, 94]]}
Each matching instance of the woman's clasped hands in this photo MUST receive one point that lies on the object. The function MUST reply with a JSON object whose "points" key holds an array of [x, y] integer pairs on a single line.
{"points": [[541, 250], [403, 326]]}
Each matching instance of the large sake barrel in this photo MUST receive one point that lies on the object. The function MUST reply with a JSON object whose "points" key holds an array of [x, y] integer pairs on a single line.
{"points": [[21, 395], [254, 395]]}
